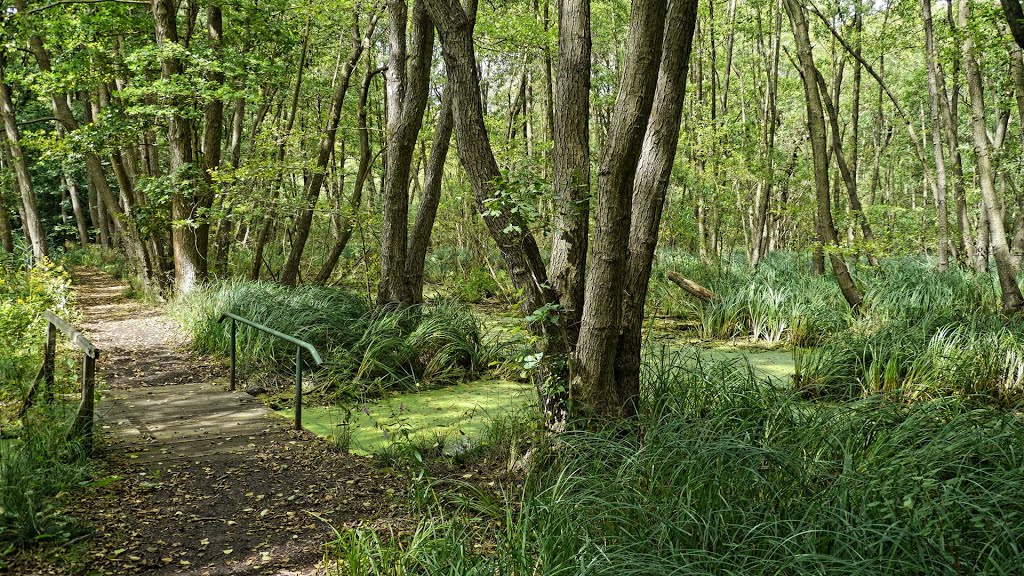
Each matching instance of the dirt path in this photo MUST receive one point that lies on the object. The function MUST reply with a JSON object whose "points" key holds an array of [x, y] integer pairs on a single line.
{"points": [[207, 481]]}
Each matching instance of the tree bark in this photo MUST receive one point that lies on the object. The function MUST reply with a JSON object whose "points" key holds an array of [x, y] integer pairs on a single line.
{"points": [[430, 200], [571, 162], [1011, 295], [189, 262], [408, 84], [937, 146], [33, 225], [819, 149], [650, 187], [213, 127], [593, 381], [362, 175]]}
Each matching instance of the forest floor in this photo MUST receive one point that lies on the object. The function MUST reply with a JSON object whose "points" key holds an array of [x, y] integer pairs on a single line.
{"points": [[197, 480]]}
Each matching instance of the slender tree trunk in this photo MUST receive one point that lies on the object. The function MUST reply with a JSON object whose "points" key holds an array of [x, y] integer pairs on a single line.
{"points": [[224, 230], [267, 225], [419, 239], [290, 273], [362, 175], [33, 225], [649, 190], [77, 209], [408, 85], [6, 235], [845, 170], [816, 128], [189, 261], [213, 127], [1011, 295], [508, 228], [593, 381], [571, 162], [937, 146], [763, 204]]}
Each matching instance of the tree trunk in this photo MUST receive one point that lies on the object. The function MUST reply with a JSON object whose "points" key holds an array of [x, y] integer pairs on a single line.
{"points": [[593, 381], [816, 128], [431, 199], [6, 234], [937, 146], [33, 225], [1011, 295], [571, 162], [213, 127], [649, 190], [189, 262], [290, 273], [408, 85], [267, 226], [224, 230]]}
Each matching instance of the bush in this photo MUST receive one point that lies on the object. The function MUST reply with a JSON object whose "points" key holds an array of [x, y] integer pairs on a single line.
{"points": [[35, 469], [25, 293], [778, 302]]}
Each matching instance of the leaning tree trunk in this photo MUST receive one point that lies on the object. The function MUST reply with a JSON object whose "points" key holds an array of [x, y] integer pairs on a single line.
{"points": [[290, 273], [508, 228], [1011, 295], [33, 225], [419, 239], [362, 175], [819, 149]]}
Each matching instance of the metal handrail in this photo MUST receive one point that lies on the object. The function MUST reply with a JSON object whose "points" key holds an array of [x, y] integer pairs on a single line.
{"points": [[82, 426], [300, 345]]}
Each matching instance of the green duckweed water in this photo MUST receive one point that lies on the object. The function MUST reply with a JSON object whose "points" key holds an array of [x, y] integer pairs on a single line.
{"points": [[458, 413]]}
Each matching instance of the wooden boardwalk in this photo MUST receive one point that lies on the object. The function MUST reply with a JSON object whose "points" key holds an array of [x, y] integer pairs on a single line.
{"points": [[164, 424]]}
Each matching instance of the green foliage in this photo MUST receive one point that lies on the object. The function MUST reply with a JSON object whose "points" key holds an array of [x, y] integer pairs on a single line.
{"points": [[779, 302], [731, 476], [35, 469], [25, 293]]}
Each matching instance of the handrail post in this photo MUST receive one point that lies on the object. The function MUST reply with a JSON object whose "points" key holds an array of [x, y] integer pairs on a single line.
{"points": [[298, 388], [82, 427], [49, 354], [231, 386]]}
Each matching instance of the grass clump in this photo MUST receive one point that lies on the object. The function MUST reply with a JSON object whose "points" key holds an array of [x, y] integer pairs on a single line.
{"points": [[780, 301], [726, 475], [366, 352], [36, 467]]}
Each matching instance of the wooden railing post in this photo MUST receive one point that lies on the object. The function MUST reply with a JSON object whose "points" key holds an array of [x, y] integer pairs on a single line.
{"points": [[49, 354], [82, 427]]}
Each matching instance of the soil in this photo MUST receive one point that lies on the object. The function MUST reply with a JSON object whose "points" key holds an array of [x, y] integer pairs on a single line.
{"points": [[197, 480]]}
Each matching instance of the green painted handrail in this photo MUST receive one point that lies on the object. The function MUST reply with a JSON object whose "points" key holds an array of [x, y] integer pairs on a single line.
{"points": [[300, 345]]}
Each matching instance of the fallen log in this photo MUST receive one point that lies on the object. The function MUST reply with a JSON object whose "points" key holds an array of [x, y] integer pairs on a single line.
{"points": [[690, 287]]}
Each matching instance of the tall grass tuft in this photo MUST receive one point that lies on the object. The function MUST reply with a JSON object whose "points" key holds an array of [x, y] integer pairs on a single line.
{"points": [[366, 352], [727, 475]]}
